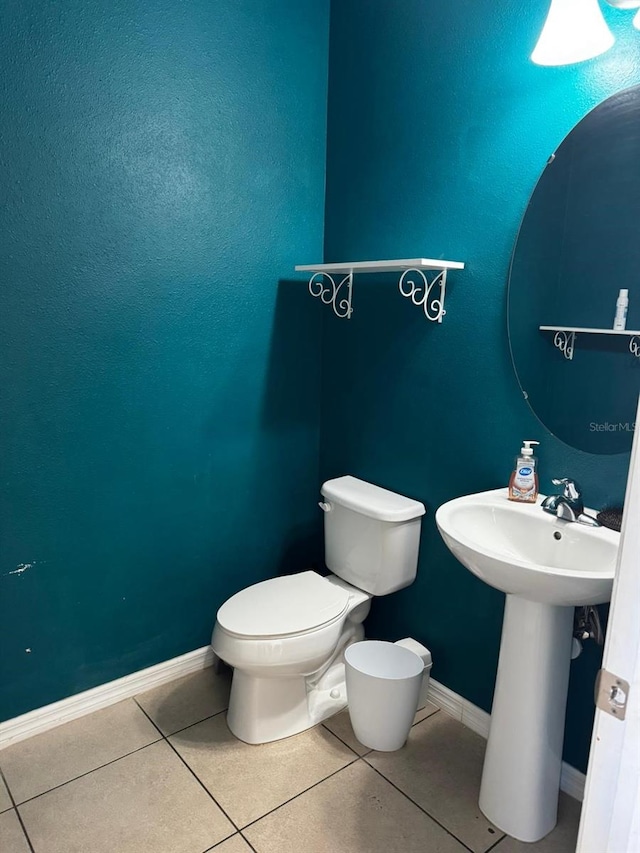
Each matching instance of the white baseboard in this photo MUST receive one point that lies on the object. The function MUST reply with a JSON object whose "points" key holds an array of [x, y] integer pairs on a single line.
{"points": [[50, 716], [571, 780]]}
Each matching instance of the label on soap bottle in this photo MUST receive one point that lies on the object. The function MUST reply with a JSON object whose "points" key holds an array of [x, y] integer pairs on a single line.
{"points": [[524, 482]]}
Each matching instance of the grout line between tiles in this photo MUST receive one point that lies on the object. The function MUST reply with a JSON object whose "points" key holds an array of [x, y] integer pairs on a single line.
{"points": [[428, 717], [246, 841], [295, 797], [417, 805], [88, 772], [343, 741], [355, 758], [195, 776], [184, 728], [220, 843], [15, 808], [493, 846], [113, 760]]}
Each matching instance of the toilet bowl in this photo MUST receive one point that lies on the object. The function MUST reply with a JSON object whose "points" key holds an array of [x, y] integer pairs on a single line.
{"points": [[288, 664], [285, 637]]}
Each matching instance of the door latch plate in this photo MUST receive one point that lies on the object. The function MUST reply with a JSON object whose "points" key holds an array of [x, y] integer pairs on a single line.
{"points": [[612, 694]]}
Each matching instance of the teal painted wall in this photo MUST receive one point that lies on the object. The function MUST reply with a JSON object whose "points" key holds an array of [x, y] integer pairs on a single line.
{"points": [[162, 168], [438, 128]]}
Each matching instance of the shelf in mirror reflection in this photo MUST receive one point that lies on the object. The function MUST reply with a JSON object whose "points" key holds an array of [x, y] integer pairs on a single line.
{"points": [[565, 337], [589, 330]]}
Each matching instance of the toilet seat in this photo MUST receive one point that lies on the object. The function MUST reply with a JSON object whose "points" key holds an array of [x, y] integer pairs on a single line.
{"points": [[283, 607]]}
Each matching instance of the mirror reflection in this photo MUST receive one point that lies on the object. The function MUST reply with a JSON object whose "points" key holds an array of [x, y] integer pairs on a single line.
{"points": [[578, 246]]}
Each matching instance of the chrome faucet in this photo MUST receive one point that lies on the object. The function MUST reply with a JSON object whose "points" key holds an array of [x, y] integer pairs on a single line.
{"points": [[568, 506]]}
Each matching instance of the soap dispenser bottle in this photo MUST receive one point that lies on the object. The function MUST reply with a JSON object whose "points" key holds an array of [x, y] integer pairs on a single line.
{"points": [[523, 485]]}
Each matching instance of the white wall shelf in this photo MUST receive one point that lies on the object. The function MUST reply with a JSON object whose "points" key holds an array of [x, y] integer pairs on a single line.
{"points": [[565, 337], [414, 284]]}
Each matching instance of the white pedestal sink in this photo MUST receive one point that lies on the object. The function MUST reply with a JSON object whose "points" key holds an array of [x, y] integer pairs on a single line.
{"points": [[546, 567]]}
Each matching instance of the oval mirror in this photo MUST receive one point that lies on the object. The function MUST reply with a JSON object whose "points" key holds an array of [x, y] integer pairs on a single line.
{"points": [[578, 246]]}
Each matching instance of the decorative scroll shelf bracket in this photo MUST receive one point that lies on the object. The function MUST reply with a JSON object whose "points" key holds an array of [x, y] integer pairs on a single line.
{"points": [[564, 337], [324, 286], [420, 294], [333, 283], [565, 342]]}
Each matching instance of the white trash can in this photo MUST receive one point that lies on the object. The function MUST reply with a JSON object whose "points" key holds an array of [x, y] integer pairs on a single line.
{"points": [[383, 686]]}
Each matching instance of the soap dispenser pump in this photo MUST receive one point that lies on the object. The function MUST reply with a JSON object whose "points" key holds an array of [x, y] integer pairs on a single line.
{"points": [[523, 485]]}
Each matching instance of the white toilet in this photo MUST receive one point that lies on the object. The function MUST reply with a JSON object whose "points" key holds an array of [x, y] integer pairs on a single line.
{"points": [[285, 637]]}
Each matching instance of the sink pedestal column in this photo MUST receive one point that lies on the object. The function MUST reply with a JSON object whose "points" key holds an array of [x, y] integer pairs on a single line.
{"points": [[521, 776]]}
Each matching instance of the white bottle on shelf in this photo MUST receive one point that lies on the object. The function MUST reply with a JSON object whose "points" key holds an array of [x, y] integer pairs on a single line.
{"points": [[622, 303]]}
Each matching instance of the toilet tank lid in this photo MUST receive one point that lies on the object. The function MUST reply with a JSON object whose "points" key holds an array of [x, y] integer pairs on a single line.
{"points": [[372, 501]]}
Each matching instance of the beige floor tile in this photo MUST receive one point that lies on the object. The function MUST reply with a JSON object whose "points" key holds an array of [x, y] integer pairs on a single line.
{"points": [[563, 839], [237, 844], [340, 725], [5, 799], [248, 781], [355, 811], [40, 763], [12, 838], [440, 769], [187, 700], [147, 802]]}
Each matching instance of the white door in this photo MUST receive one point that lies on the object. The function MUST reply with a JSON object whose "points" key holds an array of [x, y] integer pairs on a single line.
{"points": [[610, 820]]}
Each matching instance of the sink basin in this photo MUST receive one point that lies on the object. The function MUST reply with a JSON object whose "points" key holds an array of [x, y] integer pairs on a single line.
{"points": [[522, 550], [546, 566]]}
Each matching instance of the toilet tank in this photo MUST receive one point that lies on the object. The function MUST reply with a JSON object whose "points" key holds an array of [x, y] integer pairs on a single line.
{"points": [[371, 535]]}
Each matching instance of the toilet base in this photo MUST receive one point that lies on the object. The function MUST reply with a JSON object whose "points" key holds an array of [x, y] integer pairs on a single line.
{"points": [[262, 710]]}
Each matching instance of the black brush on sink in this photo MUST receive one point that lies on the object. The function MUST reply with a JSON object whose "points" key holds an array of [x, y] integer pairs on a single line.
{"points": [[611, 518]]}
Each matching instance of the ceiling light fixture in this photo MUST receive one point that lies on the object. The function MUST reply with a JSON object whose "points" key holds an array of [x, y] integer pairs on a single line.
{"points": [[624, 4], [574, 31]]}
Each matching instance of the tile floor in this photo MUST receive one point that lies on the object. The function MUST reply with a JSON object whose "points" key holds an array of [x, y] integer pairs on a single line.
{"points": [[162, 774]]}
